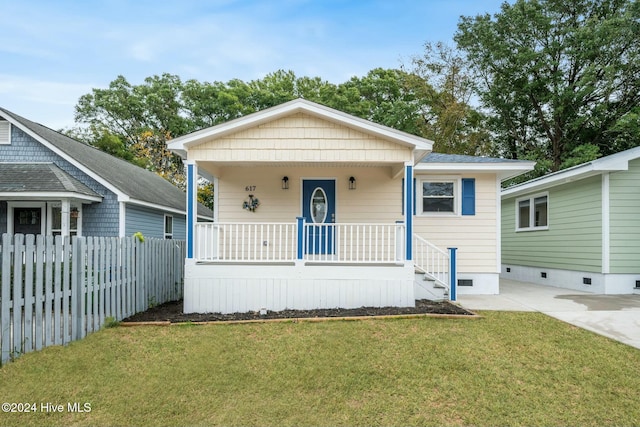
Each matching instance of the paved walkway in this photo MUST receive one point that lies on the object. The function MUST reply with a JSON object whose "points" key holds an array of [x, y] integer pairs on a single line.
{"points": [[614, 316]]}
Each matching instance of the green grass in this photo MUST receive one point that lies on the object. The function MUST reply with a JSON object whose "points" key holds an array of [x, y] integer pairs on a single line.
{"points": [[505, 369]]}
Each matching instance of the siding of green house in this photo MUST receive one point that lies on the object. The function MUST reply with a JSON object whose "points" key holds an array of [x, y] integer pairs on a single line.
{"points": [[625, 220], [574, 238]]}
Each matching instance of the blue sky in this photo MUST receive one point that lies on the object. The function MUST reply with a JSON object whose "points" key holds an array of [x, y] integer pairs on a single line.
{"points": [[52, 52]]}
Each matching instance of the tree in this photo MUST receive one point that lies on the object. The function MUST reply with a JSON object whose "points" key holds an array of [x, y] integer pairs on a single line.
{"points": [[136, 121], [142, 117], [556, 75], [208, 104], [383, 96], [442, 79]]}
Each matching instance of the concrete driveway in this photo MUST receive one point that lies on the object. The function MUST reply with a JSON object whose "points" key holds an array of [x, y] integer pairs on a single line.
{"points": [[614, 316]]}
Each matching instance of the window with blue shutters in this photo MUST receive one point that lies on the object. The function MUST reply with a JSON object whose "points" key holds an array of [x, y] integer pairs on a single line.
{"points": [[468, 196], [443, 196]]}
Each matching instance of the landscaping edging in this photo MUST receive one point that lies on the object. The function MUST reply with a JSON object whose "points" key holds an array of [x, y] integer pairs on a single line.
{"points": [[306, 319]]}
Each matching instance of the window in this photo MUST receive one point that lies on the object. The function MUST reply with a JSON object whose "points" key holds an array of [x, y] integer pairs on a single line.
{"points": [[5, 132], [438, 196], [168, 227], [445, 196], [532, 213], [56, 220]]}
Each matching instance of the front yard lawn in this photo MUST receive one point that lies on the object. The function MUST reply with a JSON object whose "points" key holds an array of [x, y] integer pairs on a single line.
{"points": [[504, 369]]}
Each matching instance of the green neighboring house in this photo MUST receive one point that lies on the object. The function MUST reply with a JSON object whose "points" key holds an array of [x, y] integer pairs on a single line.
{"points": [[578, 228]]}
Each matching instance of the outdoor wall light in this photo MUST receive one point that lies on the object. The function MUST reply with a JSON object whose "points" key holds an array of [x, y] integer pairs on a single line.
{"points": [[352, 183], [285, 183]]}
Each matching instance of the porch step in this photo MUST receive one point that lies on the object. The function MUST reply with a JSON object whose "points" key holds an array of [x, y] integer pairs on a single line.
{"points": [[427, 288]]}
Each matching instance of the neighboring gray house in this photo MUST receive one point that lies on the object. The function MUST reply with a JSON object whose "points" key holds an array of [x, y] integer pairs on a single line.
{"points": [[51, 184], [578, 228]]}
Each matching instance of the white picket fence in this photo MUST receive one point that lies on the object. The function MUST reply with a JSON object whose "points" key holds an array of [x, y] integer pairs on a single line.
{"points": [[57, 290]]}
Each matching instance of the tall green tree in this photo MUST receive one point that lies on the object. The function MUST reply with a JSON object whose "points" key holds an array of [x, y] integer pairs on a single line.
{"points": [[443, 80], [561, 78], [142, 117], [383, 96], [136, 121]]}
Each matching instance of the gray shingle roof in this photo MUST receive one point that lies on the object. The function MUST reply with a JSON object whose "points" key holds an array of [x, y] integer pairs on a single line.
{"points": [[136, 182], [459, 158], [39, 177]]}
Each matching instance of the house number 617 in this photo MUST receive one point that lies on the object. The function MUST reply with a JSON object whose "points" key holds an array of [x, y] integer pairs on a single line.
{"points": [[250, 188]]}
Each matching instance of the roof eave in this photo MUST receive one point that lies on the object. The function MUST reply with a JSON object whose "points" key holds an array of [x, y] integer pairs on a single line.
{"points": [[504, 170], [613, 163], [47, 195], [563, 177]]}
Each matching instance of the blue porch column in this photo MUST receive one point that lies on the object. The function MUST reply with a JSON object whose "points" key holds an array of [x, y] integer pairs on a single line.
{"points": [[408, 210], [453, 275], [192, 206], [300, 238]]}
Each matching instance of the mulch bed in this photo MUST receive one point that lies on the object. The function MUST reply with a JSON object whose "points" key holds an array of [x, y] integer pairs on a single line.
{"points": [[172, 312]]}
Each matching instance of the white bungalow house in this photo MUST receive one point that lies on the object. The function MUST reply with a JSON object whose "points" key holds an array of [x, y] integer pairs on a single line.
{"points": [[315, 208]]}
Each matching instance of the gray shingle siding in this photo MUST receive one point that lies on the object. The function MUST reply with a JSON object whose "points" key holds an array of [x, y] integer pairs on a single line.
{"points": [[150, 222], [179, 227], [99, 219]]}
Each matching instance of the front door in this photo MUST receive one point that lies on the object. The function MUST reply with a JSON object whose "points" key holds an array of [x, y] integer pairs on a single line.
{"points": [[318, 209], [27, 220]]}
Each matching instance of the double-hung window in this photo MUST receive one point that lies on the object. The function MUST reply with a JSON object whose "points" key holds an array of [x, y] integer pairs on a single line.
{"points": [[532, 213], [445, 196], [438, 196]]}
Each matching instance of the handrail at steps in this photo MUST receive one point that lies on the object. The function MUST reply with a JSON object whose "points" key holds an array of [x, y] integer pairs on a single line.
{"points": [[432, 261]]}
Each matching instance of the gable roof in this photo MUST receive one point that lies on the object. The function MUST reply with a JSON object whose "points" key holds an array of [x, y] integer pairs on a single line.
{"points": [[131, 183], [614, 162], [504, 168], [181, 144], [45, 179]]}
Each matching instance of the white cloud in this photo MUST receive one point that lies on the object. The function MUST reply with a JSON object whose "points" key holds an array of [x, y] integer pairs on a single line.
{"points": [[48, 102]]}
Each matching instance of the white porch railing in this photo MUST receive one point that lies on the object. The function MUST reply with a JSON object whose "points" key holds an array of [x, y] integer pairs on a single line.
{"points": [[322, 243], [285, 242], [431, 260], [245, 242], [353, 243]]}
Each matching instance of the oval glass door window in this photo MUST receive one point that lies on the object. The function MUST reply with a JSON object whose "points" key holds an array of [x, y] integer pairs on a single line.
{"points": [[319, 206]]}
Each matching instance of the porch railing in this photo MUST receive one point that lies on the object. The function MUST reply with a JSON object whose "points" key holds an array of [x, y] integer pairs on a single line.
{"points": [[353, 243], [288, 242], [250, 242], [432, 261]]}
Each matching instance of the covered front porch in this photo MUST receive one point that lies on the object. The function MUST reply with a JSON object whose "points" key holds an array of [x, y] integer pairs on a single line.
{"points": [[313, 208], [239, 267]]}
